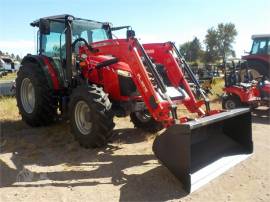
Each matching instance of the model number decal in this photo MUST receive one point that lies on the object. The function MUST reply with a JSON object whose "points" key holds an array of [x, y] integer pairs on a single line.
{"points": [[142, 83]]}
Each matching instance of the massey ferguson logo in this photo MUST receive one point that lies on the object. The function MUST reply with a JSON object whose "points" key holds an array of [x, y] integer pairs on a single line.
{"points": [[142, 83], [97, 45]]}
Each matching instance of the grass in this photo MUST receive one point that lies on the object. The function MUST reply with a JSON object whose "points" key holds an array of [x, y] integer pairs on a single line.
{"points": [[216, 87], [9, 77], [8, 109]]}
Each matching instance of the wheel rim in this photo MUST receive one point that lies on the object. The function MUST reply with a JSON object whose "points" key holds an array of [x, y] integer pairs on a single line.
{"points": [[230, 104], [82, 117], [143, 116], [28, 95]]}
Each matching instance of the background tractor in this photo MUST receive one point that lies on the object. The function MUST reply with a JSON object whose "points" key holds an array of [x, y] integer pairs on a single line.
{"points": [[82, 74], [259, 56], [247, 91]]}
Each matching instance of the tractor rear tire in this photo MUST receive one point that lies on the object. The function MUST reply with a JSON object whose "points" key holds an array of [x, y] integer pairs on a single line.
{"points": [[145, 121], [91, 116], [258, 68], [231, 102], [35, 100]]}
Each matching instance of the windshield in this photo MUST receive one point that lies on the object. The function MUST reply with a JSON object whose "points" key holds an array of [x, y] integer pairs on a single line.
{"points": [[89, 30], [260, 46]]}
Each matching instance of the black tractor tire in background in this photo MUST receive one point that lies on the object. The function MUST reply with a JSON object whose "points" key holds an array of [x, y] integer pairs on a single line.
{"points": [[145, 121], [260, 68], [44, 107], [91, 105], [231, 102]]}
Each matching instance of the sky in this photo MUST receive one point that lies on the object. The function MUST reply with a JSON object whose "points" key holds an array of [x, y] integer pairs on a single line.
{"points": [[153, 20]]}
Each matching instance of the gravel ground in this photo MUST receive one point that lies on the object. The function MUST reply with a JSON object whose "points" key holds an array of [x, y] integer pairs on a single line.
{"points": [[46, 164]]}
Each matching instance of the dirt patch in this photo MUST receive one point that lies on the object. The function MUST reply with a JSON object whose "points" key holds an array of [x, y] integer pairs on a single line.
{"points": [[46, 164]]}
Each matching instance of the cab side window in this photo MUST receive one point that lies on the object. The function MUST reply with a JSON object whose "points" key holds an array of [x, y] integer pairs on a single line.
{"points": [[260, 46], [50, 44]]}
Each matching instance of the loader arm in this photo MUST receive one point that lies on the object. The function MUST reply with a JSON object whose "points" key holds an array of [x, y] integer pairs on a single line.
{"points": [[164, 53], [128, 51]]}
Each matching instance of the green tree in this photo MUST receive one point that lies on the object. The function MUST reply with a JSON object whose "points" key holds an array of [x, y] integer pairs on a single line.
{"points": [[18, 58], [12, 56], [196, 49], [185, 49], [191, 50], [226, 36], [211, 45], [219, 42]]}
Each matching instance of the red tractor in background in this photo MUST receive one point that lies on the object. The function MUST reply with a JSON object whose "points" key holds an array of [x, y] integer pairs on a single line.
{"points": [[259, 56], [82, 74], [247, 91]]}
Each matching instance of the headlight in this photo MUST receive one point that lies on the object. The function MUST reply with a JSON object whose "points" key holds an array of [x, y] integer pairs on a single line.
{"points": [[123, 73]]}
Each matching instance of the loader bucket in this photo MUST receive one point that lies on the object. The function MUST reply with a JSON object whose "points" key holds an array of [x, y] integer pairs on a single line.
{"points": [[198, 151]]}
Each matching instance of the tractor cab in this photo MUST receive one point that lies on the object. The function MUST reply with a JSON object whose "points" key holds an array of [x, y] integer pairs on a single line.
{"points": [[58, 31], [259, 56], [59, 38], [261, 45], [57, 34]]}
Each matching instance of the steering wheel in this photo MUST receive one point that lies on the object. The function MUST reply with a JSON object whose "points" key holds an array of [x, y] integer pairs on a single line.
{"points": [[90, 48]]}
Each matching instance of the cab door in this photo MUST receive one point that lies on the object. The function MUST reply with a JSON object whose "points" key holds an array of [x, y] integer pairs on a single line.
{"points": [[53, 46]]}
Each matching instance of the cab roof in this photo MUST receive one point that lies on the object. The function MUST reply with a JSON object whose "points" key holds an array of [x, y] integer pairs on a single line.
{"points": [[260, 36], [62, 17]]}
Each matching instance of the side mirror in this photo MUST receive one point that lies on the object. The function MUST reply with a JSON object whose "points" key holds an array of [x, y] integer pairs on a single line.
{"points": [[130, 33], [44, 26]]}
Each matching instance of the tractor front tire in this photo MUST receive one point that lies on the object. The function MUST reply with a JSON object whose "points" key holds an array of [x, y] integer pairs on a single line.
{"points": [[35, 100], [231, 102], [145, 121], [91, 116]]}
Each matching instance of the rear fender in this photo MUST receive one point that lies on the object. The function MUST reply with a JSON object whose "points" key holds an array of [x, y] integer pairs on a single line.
{"points": [[49, 69]]}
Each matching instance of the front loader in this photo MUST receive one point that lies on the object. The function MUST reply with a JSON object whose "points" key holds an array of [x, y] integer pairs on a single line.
{"points": [[88, 77], [198, 150]]}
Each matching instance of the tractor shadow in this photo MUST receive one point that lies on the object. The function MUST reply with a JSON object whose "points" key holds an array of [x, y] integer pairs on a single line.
{"points": [[261, 115], [28, 148]]}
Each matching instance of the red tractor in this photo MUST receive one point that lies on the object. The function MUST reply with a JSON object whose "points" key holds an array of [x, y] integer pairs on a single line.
{"points": [[259, 56], [81, 73], [247, 91]]}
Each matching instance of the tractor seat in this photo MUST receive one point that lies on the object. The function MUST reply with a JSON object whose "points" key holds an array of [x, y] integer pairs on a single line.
{"points": [[245, 85]]}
